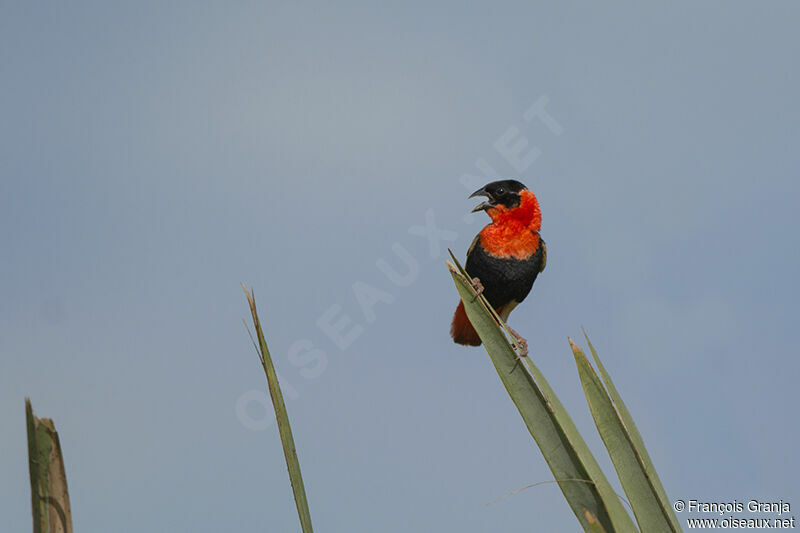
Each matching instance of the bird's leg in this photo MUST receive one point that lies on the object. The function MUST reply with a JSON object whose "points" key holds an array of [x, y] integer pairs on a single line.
{"points": [[522, 344], [478, 286]]}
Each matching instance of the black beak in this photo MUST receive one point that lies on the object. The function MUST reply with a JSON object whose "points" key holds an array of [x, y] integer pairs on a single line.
{"points": [[483, 205]]}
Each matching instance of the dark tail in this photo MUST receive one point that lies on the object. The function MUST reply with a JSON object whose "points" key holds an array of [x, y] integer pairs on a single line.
{"points": [[461, 330]]}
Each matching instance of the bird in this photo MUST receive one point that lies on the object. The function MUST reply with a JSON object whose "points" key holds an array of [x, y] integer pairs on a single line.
{"points": [[505, 257]]}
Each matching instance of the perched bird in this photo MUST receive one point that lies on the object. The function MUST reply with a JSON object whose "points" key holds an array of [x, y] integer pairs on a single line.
{"points": [[505, 257]]}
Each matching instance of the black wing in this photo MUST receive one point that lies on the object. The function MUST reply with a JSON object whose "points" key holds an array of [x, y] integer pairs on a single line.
{"points": [[504, 279]]}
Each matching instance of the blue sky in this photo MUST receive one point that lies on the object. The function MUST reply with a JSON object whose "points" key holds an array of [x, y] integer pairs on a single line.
{"points": [[153, 156]]}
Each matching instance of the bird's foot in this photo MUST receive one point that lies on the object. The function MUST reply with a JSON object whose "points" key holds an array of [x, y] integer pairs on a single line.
{"points": [[522, 344], [478, 286]]}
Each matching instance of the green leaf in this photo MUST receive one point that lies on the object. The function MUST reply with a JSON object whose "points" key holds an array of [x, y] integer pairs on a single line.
{"points": [[636, 437], [620, 518], [49, 495], [644, 500], [573, 466], [287, 441], [594, 524]]}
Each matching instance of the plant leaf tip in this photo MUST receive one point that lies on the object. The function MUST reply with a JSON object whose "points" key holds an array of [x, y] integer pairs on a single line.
{"points": [[575, 348], [451, 267]]}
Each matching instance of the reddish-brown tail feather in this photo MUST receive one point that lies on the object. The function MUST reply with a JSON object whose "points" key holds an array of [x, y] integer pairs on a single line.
{"points": [[461, 330]]}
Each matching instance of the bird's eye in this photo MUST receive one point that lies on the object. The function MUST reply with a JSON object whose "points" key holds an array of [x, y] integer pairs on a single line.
{"points": [[501, 191]]}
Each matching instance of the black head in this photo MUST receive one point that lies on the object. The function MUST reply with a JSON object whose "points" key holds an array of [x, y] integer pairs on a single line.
{"points": [[505, 193]]}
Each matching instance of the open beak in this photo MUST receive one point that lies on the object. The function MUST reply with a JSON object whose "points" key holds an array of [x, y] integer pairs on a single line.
{"points": [[483, 205]]}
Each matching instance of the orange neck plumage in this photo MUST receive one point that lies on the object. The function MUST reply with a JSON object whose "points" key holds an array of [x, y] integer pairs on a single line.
{"points": [[514, 232]]}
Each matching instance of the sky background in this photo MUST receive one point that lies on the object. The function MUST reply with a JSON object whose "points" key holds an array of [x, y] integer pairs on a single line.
{"points": [[155, 155]]}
